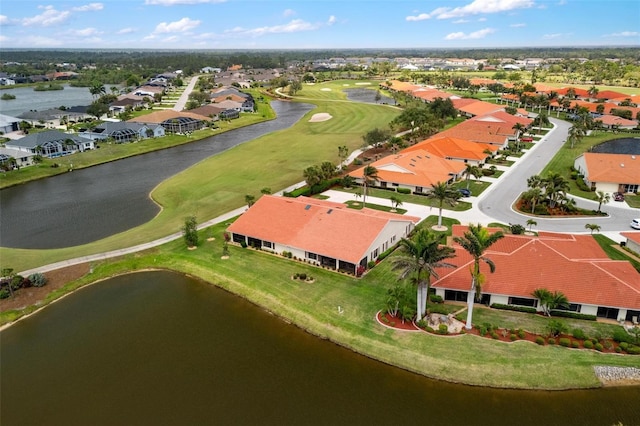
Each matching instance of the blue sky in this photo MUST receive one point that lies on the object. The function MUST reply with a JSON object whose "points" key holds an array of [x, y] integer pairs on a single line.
{"points": [[318, 24]]}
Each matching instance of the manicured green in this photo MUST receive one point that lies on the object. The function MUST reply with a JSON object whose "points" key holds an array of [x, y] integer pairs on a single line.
{"points": [[405, 198], [356, 205], [265, 279]]}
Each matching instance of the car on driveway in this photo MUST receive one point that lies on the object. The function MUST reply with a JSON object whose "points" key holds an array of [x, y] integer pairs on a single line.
{"points": [[635, 223], [618, 196], [464, 192]]}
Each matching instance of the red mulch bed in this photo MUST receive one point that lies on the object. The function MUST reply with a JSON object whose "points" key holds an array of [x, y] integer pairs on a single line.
{"points": [[395, 322]]}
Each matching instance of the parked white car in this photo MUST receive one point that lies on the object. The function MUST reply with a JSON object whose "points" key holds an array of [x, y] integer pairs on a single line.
{"points": [[635, 223]]}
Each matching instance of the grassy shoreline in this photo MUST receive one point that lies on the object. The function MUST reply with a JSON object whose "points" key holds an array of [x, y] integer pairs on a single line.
{"points": [[265, 280]]}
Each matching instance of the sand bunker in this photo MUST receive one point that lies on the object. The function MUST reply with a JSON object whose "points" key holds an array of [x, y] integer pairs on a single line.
{"points": [[363, 84], [323, 116], [325, 89], [345, 84]]}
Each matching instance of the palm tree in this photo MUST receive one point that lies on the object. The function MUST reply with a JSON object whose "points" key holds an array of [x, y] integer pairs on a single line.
{"points": [[531, 223], [469, 171], [556, 187], [592, 227], [443, 193], [312, 176], [550, 301], [602, 198], [369, 177], [419, 257], [533, 197], [476, 241], [97, 89], [395, 202], [576, 133]]}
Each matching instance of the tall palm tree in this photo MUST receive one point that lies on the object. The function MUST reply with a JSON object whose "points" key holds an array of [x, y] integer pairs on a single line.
{"points": [[556, 187], [419, 257], [443, 193], [470, 170], [476, 241], [576, 133], [369, 177], [592, 227], [602, 198], [531, 223]]}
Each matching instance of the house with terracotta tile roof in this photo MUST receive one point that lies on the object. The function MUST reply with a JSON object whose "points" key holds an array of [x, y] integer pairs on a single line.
{"points": [[416, 170], [479, 108], [609, 172], [321, 232], [495, 128], [614, 122], [456, 149], [575, 265]]}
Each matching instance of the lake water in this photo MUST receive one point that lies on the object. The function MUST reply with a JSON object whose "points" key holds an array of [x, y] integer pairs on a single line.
{"points": [[368, 96], [159, 348], [90, 204], [619, 146], [28, 99]]}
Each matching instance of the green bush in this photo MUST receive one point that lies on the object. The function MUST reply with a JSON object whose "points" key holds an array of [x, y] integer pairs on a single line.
{"points": [[564, 341], [243, 244], [574, 315], [371, 264], [588, 344], [516, 228], [620, 335], [575, 344], [443, 329], [38, 279], [302, 276], [633, 350], [403, 190], [421, 323], [482, 330], [514, 308], [540, 340], [618, 349], [551, 341], [556, 327], [438, 309], [4, 293], [434, 298], [494, 335], [624, 346], [578, 334], [513, 337], [386, 253], [598, 347], [521, 333]]}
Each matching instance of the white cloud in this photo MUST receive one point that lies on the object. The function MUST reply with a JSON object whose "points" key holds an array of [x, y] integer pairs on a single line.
{"points": [[4, 20], [476, 7], [49, 17], [40, 41], [424, 16], [331, 20], [461, 21], [471, 36], [623, 34], [88, 7], [288, 12], [86, 32], [294, 26], [170, 39], [553, 36], [126, 31], [482, 19], [3, 38], [174, 2], [185, 24], [518, 25]]}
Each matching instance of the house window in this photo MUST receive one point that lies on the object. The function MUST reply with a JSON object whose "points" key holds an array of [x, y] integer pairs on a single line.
{"points": [[311, 256], [393, 239], [374, 254], [630, 188], [611, 313], [522, 301], [267, 244], [573, 307], [394, 184], [418, 190], [458, 296]]}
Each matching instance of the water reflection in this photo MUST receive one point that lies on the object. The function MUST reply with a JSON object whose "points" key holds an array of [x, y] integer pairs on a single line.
{"points": [[197, 355]]}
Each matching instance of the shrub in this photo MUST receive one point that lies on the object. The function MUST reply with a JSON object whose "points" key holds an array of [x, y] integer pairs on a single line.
{"points": [[4, 293], [429, 329], [618, 350], [438, 309], [575, 344], [482, 330], [574, 315], [302, 276], [443, 329], [556, 327], [598, 347], [516, 229], [624, 346], [578, 334], [588, 344], [38, 279], [633, 350], [521, 334], [513, 337], [371, 264], [386, 253], [243, 244], [551, 341], [403, 190], [564, 341], [494, 335], [434, 298], [540, 340], [607, 344], [514, 308], [421, 323], [620, 335]]}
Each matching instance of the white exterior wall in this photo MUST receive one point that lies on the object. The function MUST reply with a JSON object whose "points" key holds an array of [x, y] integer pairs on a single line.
{"points": [[589, 309], [606, 187], [499, 298], [398, 228], [633, 246]]}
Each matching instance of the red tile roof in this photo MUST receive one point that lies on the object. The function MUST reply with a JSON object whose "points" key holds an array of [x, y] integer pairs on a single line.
{"points": [[318, 226], [632, 236], [480, 108], [609, 94], [613, 168], [453, 148], [574, 265], [414, 168]]}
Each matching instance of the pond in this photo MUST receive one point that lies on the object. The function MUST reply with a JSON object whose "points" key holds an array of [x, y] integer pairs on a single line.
{"points": [[156, 348], [619, 146], [368, 96]]}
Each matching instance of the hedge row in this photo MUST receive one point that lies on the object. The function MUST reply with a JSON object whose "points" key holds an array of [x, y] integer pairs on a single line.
{"points": [[514, 308], [574, 315]]}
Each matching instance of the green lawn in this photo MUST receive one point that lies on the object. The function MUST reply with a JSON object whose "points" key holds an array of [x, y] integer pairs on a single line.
{"points": [[219, 184], [356, 205], [265, 279], [406, 198]]}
